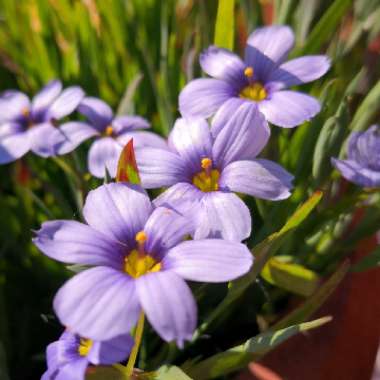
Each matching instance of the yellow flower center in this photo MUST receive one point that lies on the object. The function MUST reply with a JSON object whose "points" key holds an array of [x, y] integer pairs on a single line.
{"points": [[109, 131], [138, 263], [254, 91], [84, 346], [207, 179]]}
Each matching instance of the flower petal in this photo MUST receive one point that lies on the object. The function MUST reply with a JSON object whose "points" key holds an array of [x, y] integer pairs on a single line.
{"points": [[169, 305], [243, 137], [178, 192], [260, 178], [12, 105], [14, 143], [66, 103], [159, 167], [75, 133], [119, 210], [104, 154], [74, 370], [300, 70], [288, 109], [45, 139], [143, 138], [44, 98], [209, 260], [224, 216], [96, 111], [111, 351], [129, 123], [99, 303], [165, 228], [223, 115], [223, 64], [202, 97], [356, 173], [364, 147], [191, 138], [76, 243], [274, 41]]}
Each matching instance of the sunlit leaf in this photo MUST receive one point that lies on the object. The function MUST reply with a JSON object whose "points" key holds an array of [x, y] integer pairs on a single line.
{"points": [[254, 348], [171, 373], [224, 27], [290, 276]]}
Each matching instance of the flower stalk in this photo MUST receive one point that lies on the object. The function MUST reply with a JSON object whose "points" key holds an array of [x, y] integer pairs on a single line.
{"points": [[135, 350]]}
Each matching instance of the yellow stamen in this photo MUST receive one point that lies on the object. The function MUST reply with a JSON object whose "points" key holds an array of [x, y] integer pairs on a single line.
{"points": [[254, 91], [141, 237], [206, 163], [136, 265], [109, 130], [207, 180], [248, 72], [84, 346]]}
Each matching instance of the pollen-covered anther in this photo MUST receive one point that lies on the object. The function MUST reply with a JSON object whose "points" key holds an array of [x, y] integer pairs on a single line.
{"points": [[206, 163], [109, 130], [141, 237], [25, 112], [84, 346], [248, 72]]}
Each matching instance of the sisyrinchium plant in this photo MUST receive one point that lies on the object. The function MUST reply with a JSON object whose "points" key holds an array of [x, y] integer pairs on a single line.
{"points": [[207, 224]]}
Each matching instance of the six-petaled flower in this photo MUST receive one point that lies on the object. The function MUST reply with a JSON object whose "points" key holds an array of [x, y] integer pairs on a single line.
{"points": [[262, 79], [205, 167], [139, 262], [111, 134]]}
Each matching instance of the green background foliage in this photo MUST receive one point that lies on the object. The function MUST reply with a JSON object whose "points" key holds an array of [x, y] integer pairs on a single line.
{"points": [[137, 55]]}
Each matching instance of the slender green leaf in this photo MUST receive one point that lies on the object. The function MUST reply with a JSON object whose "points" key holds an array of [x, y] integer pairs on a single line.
{"points": [[290, 276], [367, 109], [262, 251], [171, 373], [224, 27], [325, 27], [254, 348], [329, 142], [368, 262], [312, 304]]}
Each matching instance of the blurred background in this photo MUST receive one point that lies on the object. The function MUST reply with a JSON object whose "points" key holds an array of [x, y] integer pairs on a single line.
{"points": [[137, 55]]}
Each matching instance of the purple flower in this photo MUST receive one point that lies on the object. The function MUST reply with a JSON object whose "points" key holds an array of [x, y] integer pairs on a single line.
{"points": [[112, 134], [31, 125], [262, 78], [205, 167], [363, 162], [69, 357], [140, 261]]}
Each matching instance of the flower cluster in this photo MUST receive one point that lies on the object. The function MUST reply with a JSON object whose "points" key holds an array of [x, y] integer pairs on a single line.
{"points": [[137, 253]]}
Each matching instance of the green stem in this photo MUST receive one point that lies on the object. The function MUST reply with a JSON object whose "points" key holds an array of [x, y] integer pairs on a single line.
{"points": [[135, 350]]}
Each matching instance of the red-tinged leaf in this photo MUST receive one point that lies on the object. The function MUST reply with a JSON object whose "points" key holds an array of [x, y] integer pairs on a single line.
{"points": [[127, 170]]}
